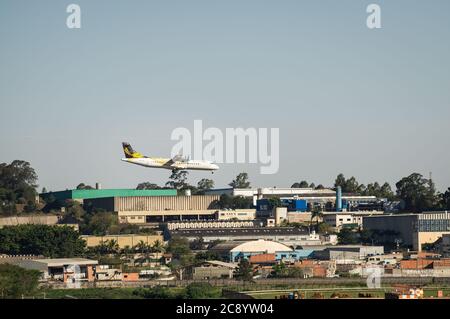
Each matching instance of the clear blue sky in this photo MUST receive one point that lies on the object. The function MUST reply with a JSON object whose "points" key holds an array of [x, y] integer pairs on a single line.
{"points": [[370, 103]]}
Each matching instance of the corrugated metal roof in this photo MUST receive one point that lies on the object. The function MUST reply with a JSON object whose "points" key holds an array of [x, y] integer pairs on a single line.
{"points": [[101, 193]]}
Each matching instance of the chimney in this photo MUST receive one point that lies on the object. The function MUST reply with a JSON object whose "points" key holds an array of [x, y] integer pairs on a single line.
{"points": [[98, 186]]}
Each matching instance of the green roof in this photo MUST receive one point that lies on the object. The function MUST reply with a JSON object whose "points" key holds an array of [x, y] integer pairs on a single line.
{"points": [[101, 193]]}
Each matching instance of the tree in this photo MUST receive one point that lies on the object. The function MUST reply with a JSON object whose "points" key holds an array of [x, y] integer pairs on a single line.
{"points": [[16, 282], [234, 202], [317, 214], [384, 191], [445, 199], [205, 184], [244, 270], [417, 192], [198, 244], [99, 223], [158, 247], [350, 185], [49, 241], [74, 212], [201, 290], [17, 186], [282, 271], [84, 186], [274, 202], [178, 180], [347, 236], [147, 185], [302, 184], [241, 181], [178, 246]]}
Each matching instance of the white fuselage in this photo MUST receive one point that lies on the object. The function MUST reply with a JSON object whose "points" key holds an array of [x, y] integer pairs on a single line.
{"points": [[172, 165]]}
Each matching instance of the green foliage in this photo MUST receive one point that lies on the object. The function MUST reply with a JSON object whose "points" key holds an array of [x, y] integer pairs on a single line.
{"points": [[234, 202], [49, 241], [445, 200], [157, 292], [348, 236], [98, 223], [383, 191], [241, 181], [178, 180], [274, 202], [84, 186], [324, 228], [302, 184], [17, 186], [205, 184], [147, 185], [350, 185], [244, 271], [201, 290], [282, 271], [197, 244], [418, 193], [16, 281], [207, 255], [179, 247]]}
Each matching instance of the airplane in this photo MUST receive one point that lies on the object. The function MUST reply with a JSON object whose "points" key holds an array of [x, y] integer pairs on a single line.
{"points": [[177, 163]]}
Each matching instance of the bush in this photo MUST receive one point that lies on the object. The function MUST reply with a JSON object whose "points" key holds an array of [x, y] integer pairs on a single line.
{"points": [[201, 291], [49, 241], [154, 293], [16, 281]]}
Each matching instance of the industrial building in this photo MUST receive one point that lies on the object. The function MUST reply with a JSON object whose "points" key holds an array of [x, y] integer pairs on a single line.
{"points": [[211, 269], [287, 235], [413, 230], [338, 220], [213, 224], [237, 250], [63, 269], [306, 196], [158, 209], [345, 253], [82, 194]]}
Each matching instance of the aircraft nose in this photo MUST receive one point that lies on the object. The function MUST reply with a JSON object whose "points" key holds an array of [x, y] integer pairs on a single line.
{"points": [[215, 167]]}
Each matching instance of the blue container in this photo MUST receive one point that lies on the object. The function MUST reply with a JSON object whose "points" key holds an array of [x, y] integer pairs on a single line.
{"points": [[301, 205]]}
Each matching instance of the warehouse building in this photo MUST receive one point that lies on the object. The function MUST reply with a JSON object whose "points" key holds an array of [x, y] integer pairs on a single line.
{"points": [[297, 198], [158, 209], [214, 224], [414, 230], [346, 253], [234, 251], [211, 269], [63, 269], [82, 194], [287, 235], [338, 220]]}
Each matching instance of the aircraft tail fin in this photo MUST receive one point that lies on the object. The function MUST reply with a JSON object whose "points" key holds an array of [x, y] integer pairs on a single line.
{"points": [[130, 152]]}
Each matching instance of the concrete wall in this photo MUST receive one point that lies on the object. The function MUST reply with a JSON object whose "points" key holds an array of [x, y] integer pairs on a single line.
{"points": [[199, 273], [34, 219], [123, 240]]}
